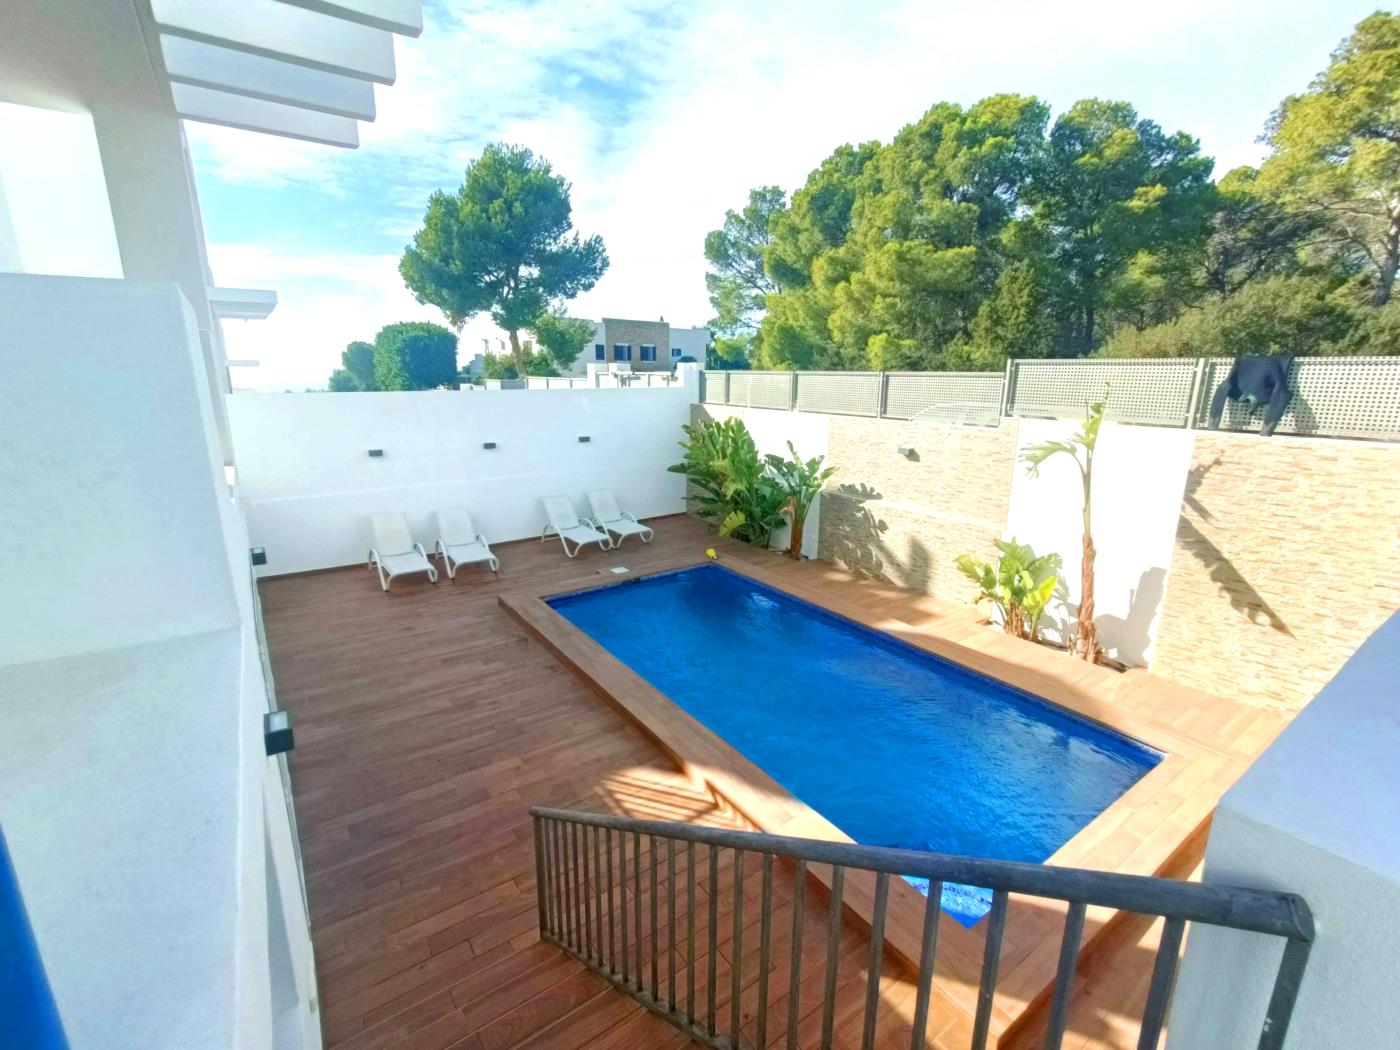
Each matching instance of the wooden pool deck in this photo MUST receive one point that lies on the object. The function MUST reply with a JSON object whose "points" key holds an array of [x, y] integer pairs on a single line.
{"points": [[428, 722]]}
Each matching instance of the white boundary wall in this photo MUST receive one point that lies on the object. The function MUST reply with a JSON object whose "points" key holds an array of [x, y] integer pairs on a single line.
{"points": [[308, 483]]}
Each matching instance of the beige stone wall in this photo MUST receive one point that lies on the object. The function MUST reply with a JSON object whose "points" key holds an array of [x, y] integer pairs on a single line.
{"points": [[1287, 556], [905, 518]]}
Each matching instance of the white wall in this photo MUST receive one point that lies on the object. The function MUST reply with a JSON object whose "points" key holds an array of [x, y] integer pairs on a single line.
{"points": [[308, 483], [108, 500], [693, 342], [1139, 478], [1315, 815], [772, 430], [53, 190]]}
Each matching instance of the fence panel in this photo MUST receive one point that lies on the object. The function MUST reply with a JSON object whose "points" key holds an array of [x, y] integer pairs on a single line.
{"points": [[950, 397], [841, 393], [760, 389], [1137, 391], [712, 387], [1332, 396]]}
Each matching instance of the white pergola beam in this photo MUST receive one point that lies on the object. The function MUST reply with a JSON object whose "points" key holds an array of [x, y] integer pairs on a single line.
{"points": [[240, 73], [404, 17], [283, 32], [255, 114]]}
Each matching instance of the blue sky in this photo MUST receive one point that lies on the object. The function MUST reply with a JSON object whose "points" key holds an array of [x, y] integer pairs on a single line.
{"points": [[664, 114]]}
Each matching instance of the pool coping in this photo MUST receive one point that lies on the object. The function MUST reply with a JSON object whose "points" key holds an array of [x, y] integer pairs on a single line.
{"points": [[1156, 827]]}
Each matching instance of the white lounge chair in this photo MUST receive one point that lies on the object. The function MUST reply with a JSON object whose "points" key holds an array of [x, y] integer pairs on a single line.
{"points": [[565, 523], [612, 519], [459, 543], [394, 553]]}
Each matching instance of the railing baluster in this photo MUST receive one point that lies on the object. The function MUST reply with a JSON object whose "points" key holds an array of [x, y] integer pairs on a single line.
{"points": [[587, 946], [765, 951], [991, 960], [833, 949], [1159, 991], [580, 923], [799, 900], [1064, 976], [928, 955], [736, 951], [637, 903], [561, 880], [655, 939], [714, 939], [877, 960], [540, 902], [690, 932], [1285, 994], [622, 903], [612, 919], [671, 924], [598, 892]]}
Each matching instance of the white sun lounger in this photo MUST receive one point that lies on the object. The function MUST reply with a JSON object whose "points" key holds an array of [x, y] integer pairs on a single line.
{"points": [[612, 519], [459, 543], [565, 523], [394, 553]]}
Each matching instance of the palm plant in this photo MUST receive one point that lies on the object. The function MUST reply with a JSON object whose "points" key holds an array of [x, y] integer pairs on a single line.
{"points": [[730, 484], [1020, 585], [1079, 448], [800, 480]]}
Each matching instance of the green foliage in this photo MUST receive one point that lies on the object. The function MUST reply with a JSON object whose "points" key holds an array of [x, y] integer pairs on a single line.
{"points": [[343, 381], [561, 339], [414, 355], [1336, 154], [800, 480], [731, 484], [503, 243], [358, 360], [1274, 315], [1020, 584], [737, 283]]}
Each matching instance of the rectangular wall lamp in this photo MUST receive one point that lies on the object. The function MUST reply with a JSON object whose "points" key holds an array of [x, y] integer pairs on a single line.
{"points": [[584, 439], [488, 445], [376, 453]]}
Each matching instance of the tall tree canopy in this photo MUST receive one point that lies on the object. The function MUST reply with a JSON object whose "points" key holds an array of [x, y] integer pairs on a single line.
{"points": [[736, 280], [414, 355], [1336, 154], [503, 243]]}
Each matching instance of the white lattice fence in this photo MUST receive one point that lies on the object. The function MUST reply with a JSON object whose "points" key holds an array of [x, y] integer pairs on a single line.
{"points": [[1136, 391], [952, 397], [1332, 396], [761, 389], [840, 393]]}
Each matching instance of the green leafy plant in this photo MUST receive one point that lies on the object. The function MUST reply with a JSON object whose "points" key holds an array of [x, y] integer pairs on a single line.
{"points": [[1020, 584], [1079, 448], [730, 482], [799, 480]]}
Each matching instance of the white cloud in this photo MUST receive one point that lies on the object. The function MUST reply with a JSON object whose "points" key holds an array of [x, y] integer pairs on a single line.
{"points": [[663, 116]]}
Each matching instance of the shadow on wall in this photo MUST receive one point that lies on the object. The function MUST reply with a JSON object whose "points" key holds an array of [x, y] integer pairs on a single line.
{"points": [[852, 536], [1128, 635], [1241, 594]]}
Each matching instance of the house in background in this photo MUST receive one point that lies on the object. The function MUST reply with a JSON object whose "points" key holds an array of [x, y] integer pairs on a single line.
{"points": [[621, 344]]}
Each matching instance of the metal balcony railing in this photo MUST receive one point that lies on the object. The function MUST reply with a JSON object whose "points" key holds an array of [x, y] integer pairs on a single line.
{"points": [[585, 894]]}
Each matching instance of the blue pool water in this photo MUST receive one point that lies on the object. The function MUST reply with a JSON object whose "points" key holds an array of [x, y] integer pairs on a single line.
{"points": [[893, 745]]}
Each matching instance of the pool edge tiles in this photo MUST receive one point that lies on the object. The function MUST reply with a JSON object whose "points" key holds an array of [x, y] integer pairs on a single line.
{"points": [[889, 742]]}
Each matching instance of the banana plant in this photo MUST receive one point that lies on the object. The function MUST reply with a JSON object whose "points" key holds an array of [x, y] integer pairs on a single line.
{"points": [[1079, 448], [729, 481], [1020, 585], [800, 480]]}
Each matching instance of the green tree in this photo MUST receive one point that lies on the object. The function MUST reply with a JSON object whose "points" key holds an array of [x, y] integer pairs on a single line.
{"points": [[1250, 235], [414, 355], [1300, 315], [737, 282], [1336, 154], [344, 381], [1108, 187], [1012, 322], [561, 339], [503, 243], [358, 359]]}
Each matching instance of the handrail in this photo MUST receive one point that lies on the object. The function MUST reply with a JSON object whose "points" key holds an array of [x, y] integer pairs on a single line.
{"points": [[572, 850]]}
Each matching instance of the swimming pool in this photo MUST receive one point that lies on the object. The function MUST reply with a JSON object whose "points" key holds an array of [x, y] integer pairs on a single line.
{"points": [[892, 744]]}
